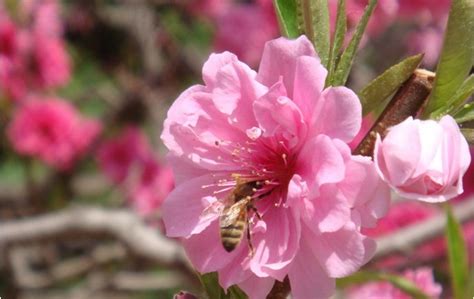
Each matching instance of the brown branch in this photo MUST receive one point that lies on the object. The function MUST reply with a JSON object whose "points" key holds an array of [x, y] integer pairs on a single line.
{"points": [[280, 290], [406, 239], [406, 102], [122, 224]]}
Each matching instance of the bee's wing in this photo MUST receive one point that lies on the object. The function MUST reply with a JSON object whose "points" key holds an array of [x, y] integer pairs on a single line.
{"points": [[235, 212]]}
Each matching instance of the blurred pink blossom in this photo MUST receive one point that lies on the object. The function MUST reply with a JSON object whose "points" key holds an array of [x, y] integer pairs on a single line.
{"points": [[129, 162], [148, 186], [33, 55], [117, 155], [243, 30], [278, 127], [421, 277], [209, 8], [51, 130], [423, 160], [428, 40]]}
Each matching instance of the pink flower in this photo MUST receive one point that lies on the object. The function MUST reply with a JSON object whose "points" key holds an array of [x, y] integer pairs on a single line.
{"points": [[423, 160], [129, 162], [421, 277], [428, 40], [116, 156], [53, 131], [148, 187], [282, 132], [52, 62], [237, 24], [209, 8]]}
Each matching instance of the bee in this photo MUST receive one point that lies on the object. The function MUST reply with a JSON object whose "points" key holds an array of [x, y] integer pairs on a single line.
{"points": [[234, 219]]}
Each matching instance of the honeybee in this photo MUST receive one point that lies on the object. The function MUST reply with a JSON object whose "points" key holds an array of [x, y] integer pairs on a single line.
{"points": [[234, 219]]}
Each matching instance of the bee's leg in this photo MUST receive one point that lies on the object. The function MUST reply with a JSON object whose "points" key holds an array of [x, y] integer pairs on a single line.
{"points": [[249, 239], [254, 209]]}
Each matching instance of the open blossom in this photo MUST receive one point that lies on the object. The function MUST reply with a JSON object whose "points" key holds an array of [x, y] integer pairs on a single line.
{"points": [[421, 277], [423, 160], [53, 131], [280, 129]]}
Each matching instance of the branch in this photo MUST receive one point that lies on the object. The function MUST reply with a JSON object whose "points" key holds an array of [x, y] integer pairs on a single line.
{"points": [[408, 238], [122, 224]]}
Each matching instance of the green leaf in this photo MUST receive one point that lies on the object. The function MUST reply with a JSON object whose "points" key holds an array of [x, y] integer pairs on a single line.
{"points": [[344, 66], [457, 254], [210, 282], [287, 18], [374, 94], [341, 27], [466, 113], [455, 102], [399, 282], [321, 32], [469, 135], [457, 56]]}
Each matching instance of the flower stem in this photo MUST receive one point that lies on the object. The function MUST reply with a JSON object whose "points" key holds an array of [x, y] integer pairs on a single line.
{"points": [[407, 101], [280, 290]]}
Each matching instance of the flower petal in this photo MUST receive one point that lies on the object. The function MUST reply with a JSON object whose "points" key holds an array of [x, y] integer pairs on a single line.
{"points": [[338, 114], [206, 252], [308, 279], [310, 77], [276, 247], [340, 253], [279, 60], [277, 114], [214, 63], [320, 162], [183, 209], [257, 287]]}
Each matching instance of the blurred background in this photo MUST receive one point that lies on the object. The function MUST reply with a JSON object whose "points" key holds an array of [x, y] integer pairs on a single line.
{"points": [[84, 89]]}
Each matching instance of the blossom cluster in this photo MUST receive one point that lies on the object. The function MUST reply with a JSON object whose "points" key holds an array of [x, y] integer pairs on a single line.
{"points": [[283, 136]]}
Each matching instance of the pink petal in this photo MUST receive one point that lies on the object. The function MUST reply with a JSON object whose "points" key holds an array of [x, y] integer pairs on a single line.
{"points": [[320, 162], [183, 209], [329, 211], [365, 191], [206, 252], [338, 114], [277, 114], [276, 247], [279, 60], [340, 253], [310, 77], [402, 139], [257, 287], [308, 279], [212, 66]]}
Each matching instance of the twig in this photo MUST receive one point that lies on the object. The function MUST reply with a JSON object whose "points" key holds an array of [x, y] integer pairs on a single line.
{"points": [[122, 224], [406, 102], [408, 238]]}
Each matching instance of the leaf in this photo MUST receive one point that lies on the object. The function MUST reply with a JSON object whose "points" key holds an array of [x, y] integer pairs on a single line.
{"points": [[344, 66], [457, 56], [466, 113], [287, 19], [374, 94], [469, 135], [340, 33], [457, 254], [399, 282], [455, 102], [210, 282], [321, 32]]}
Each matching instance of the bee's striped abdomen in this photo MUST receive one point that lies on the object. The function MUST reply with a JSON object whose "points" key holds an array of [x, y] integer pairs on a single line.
{"points": [[232, 234]]}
